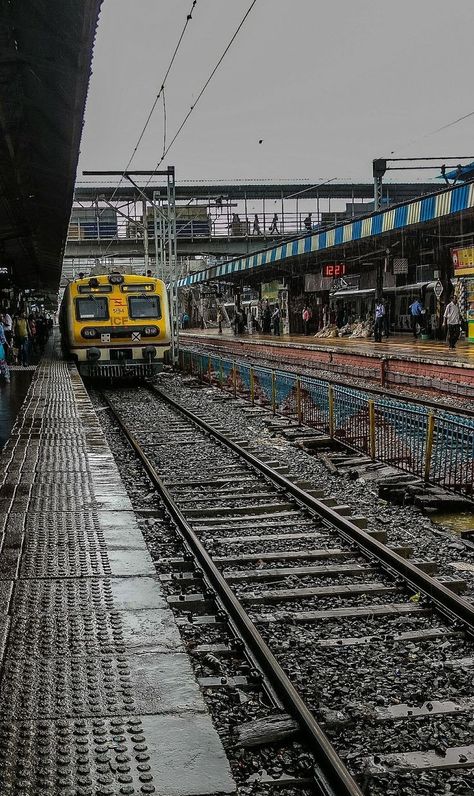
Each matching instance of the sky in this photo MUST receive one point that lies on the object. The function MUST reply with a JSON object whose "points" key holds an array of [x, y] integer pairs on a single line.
{"points": [[326, 86]]}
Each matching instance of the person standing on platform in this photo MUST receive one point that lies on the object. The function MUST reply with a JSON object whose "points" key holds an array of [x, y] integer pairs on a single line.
{"points": [[21, 335], [276, 321], [379, 321], [416, 313], [267, 319], [452, 320], [308, 222], [306, 319], [8, 327]]}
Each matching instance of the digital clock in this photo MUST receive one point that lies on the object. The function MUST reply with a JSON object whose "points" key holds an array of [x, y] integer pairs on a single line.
{"points": [[334, 269]]}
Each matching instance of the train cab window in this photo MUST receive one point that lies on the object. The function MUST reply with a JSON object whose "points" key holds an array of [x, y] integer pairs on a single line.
{"points": [[144, 306], [92, 308]]}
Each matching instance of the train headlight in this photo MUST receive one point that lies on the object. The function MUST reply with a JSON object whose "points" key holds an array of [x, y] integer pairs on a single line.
{"points": [[150, 331], [115, 279], [89, 333]]}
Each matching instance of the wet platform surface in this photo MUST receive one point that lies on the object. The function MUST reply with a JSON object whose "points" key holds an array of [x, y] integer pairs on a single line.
{"points": [[97, 695], [11, 399], [402, 346]]}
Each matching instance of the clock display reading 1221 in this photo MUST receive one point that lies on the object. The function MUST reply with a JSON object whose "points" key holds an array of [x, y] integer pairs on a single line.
{"points": [[334, 269]]}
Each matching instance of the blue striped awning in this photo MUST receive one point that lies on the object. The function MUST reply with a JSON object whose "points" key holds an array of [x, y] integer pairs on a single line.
{"points": [[418, 211]]}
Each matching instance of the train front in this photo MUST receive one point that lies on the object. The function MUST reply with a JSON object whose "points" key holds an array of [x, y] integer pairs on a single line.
{"points": [[117, 325]]}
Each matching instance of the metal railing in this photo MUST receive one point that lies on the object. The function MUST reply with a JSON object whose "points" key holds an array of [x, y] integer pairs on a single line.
{"points": [[437, 446], [258, 226]]}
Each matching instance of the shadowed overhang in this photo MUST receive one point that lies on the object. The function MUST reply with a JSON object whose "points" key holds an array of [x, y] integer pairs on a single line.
{"points": [[45, 59]]}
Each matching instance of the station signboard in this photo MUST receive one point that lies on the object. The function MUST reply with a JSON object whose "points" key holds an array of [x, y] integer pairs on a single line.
{"points": [[463, 260]]}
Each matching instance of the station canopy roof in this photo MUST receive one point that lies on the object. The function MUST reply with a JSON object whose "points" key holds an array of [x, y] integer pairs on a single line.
{"points": [[438, 206], [44, 76]]}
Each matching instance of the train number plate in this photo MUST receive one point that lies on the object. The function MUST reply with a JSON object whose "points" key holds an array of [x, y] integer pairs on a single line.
{"points": [[105, 338], [136, 337]]}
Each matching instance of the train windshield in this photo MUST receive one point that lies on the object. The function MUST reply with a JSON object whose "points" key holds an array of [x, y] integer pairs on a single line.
{"points": [[144, 306], [92, 308]]}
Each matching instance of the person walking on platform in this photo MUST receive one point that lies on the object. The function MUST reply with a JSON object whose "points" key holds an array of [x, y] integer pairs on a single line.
{"points": [[379, 320], [416, 313], [452, 320], [21, 335], [308, 222], [256, 226], [306, 319], [276, 321], [274, 225]]}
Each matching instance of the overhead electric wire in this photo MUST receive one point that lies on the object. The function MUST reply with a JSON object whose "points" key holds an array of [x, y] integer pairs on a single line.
{"points": [[156, 100], [161, 93], [203, 89], [434, 132]]}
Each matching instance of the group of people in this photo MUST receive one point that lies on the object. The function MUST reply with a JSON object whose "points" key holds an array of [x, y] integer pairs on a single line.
{"points": [[20, 337], [452, 320], [268, 323]]}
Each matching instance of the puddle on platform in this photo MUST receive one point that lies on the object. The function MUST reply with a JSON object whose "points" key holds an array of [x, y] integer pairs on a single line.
{"points": [[11, 398], [462, 521]]}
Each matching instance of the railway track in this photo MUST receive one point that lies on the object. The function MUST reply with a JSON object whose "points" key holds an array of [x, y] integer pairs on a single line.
{"points": [[367, 650]]}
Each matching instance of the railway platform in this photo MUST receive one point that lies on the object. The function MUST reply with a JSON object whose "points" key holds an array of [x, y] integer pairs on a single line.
{"points": [[398, 361], [97, 695]]}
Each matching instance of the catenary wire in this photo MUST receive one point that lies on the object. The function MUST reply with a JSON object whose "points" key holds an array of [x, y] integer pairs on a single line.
{"points": [[203, 89], [156, 100]]}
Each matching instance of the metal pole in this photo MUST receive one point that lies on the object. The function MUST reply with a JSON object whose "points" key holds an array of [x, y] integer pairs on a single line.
{"points": [[429, 445], [172, 259], [145, 235], [158, 263], [331, 410], [298, 400], [372, 429]]}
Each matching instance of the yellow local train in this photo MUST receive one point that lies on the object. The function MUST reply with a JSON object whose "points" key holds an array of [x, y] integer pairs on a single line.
{"points": [[115, 324]]}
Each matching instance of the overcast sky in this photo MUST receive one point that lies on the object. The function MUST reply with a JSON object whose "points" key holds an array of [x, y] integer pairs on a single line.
{"points": [[328, 86]]}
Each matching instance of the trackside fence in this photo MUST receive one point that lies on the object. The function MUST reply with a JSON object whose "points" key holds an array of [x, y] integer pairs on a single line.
{"points": [[437, 446]]}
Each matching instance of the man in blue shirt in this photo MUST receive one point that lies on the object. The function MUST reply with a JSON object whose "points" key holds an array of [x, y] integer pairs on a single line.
{"points": [[416, 312]]}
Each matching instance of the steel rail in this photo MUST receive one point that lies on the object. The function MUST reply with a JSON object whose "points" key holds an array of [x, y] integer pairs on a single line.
{"points": [[333, 778], [446, 600]]}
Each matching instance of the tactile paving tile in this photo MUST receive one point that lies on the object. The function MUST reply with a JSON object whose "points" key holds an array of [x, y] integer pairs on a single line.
{"points": [[86, 633], [98, 757], [107, 685], [78, 595], [66, 562], [93, 633], [66, 686]]}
